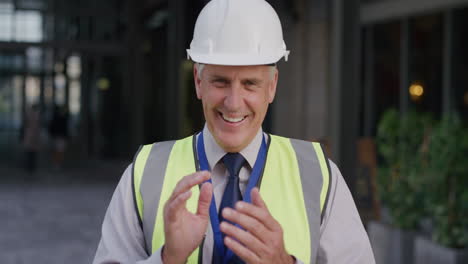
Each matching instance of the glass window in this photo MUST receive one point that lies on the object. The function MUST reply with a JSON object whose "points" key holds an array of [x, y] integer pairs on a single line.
{"points": [[33, 90], [74, 66], [28, 26], [34, 59], [75, 97], [105, 29], [6, 21], [386, 67], [425, 63], [17, 100], [5, 100], [460, 63], [60, 83], [48, 90], [31, 4], [11, 62]]}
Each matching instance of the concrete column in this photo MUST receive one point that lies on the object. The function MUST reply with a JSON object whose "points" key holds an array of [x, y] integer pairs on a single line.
{"points": [[67, 81], [315, 68], [54, 88], [131, 84], [447, 103], [95, 100], [86, 126], [335, 77], [287, 107], [176, 48], [345, 92], [41, 84], [23, 94], [368, 84], [300, 107], [42, 91], [404, 65]]}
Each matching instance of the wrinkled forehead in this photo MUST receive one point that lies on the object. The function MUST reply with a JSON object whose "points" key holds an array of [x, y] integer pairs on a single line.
{"points": [[240, 72]]}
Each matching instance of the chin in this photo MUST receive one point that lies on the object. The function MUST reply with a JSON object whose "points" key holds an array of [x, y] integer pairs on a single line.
{"points": [[232, 139], [232, 143]]}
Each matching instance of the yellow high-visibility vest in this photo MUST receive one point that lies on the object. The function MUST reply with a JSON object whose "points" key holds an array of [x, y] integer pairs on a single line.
{"points": [[295, 186]]}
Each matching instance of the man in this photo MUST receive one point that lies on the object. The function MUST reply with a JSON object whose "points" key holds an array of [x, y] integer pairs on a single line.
{"points": [[232, 193]]}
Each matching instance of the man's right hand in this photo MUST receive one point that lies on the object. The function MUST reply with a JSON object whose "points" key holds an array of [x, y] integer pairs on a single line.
{"points": [[184, 230]]}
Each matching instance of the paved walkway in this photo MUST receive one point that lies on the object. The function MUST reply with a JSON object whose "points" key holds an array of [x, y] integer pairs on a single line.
{"points": [[55, 219]]}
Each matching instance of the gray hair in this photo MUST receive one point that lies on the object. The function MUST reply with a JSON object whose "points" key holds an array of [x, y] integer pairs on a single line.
{"points": [[201, 66]]}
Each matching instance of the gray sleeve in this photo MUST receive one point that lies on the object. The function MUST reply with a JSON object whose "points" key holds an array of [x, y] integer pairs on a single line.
{"points": [[343, 238], [122, 239]]}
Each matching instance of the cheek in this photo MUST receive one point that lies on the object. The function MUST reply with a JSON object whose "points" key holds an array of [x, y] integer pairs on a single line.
{"points": [[200, 89], [212, 99], [258, 103]]}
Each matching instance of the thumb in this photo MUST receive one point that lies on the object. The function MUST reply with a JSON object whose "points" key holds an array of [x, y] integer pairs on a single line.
{"points": [[204, 200]]}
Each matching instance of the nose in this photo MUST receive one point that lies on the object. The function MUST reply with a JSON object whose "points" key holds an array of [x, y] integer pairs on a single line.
{"points": [[233, 99]]}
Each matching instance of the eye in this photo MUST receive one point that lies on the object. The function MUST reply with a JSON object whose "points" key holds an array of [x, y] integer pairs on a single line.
{"points": [[249, 83], [220, 83]]}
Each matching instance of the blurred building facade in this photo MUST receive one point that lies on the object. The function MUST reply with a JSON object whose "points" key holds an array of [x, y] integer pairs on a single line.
{"points": [[120, 68]]}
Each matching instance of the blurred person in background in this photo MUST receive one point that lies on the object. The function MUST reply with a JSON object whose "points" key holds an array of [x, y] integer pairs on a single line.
{"points": [[58, 131], [31, 137], [233, 193]]}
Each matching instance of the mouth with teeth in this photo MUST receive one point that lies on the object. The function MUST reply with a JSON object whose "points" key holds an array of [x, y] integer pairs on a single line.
{"points": [[232, 120]]}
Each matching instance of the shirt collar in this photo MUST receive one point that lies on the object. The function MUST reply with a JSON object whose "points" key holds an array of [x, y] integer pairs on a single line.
{"points": [[214, 152]]}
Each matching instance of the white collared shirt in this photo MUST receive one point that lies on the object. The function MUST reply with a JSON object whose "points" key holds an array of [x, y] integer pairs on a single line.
{"points": [[219, 174]]}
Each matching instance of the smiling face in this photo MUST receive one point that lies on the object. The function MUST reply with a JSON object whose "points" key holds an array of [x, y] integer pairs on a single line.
{"points": [[235, 101]]}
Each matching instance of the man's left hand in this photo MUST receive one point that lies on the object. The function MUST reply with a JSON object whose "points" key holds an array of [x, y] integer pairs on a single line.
{"points": [[262, 239]]}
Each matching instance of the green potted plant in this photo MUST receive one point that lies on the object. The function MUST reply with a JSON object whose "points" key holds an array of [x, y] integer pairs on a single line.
{"points": [[399, 142], [447, 194]]}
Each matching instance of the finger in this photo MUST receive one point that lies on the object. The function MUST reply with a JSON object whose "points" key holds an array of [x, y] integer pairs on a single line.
{"points": [[257, 198], [247, 239], [187, 182], [174, 206], [265, 216], [242, 252], [251, 224], [204, 200]]}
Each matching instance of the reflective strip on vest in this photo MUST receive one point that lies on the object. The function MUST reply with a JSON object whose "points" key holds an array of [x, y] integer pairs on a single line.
{"points": [[138, 169], [295, 186]]}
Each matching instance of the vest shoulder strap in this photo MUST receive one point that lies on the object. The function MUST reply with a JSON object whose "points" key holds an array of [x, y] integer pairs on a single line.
{"points": [[152, 188], [296, 171], [326, 176], [311, 157], [151, 159], [139, 162]]}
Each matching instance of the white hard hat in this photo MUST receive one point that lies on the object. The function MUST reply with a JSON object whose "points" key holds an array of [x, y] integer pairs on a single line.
{"points": [[237, 32]]}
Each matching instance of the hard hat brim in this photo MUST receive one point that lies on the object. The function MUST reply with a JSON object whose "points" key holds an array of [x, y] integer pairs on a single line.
{"points": [[236, 59]]}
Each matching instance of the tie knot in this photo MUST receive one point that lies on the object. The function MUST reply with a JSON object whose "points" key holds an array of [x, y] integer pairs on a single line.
{"points": [[233, 163]]}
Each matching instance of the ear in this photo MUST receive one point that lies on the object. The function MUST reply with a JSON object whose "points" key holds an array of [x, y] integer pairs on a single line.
{"points": [[197, 81], [272, 88]]}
